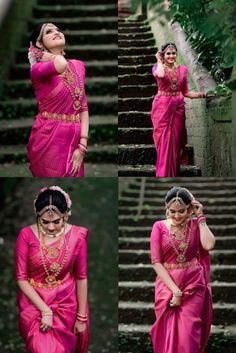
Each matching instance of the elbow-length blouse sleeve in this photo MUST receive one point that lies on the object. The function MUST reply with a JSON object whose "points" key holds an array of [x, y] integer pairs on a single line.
{"points": [[84, 104], [43, 71], [80, 266], [21, 254], [185, 87], [155, 243]]}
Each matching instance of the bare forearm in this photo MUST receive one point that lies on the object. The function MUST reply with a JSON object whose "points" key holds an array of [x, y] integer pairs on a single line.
{"points": [[165, 277], [206, 237], [33, 296], [160, 71], [84, 127], [81, 286], [193, 95]]}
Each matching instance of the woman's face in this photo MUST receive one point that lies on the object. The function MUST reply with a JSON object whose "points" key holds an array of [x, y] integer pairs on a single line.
{"points": [[178, 213], [170, 56], [52, 37], [51, 224]]}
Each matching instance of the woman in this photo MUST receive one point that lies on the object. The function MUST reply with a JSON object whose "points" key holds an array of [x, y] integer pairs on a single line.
{"points": [[179, 252], [58, 140], [168, 112], [51, 271]]}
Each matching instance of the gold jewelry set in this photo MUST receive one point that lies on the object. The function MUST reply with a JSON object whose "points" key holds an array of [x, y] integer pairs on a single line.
{"points": [[69, 81]]}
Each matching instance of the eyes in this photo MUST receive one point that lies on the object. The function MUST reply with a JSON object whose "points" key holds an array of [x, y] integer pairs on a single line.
{"points": [[182, 211], [173, 53], [50, 30], [56, 221]]}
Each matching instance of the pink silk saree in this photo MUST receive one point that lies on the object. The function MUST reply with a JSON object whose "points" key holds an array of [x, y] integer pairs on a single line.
{"points": [[168, 119], [52, 142], [183, 329], [62, 300]]}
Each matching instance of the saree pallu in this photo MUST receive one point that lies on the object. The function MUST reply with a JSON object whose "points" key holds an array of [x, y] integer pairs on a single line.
{"points": [[61, 299], [52, 142], [183, 329], [168, 119]]}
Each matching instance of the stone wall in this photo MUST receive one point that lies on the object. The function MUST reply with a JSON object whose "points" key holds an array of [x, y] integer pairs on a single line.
{"points": [[208, 121]]}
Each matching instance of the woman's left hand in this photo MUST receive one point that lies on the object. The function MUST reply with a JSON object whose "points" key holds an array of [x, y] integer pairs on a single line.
{"points": [[79, 327], [197, 208], [77, 159]]}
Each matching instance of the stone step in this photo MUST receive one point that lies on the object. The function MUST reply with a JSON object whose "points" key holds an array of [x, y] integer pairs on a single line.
{"points": [[139, 272], [147, 220], [13, 109], [135, 135], [134, 119], [137, 154], [136, 30], [144, 291], [96, 153], [134, 80], [98, 68], [132, 91], [149, 170], [127, 43], [135, 338], [129, 243], [147, 210], [134, 256], [69, 2], [133, 24], [134, 70], [133, 60], [87, 52], [73, 37], [137, 51], [161, 193], [139, 104], [91, 170], [135, 36], [143, 231], [48, 11], [100, 85], [199, 184], [85, 22], [17, 131], [142, 313]]}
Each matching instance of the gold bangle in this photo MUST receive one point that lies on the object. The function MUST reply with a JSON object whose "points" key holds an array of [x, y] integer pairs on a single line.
{"points": [[178, 293]]}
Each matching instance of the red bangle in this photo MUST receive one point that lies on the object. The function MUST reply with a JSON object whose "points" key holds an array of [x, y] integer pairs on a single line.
{"points": [[84, 137]]}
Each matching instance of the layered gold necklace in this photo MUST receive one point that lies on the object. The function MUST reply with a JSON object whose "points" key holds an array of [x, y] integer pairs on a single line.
{"points": [[180, 240], [52, 255]]}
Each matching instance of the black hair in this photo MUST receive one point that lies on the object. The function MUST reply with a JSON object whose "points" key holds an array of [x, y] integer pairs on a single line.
{"points": [[164, 46], [35, 34], [183, 193], [58, 200]]}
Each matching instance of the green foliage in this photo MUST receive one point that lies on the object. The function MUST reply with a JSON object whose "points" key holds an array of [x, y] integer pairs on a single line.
{"points": [[211, 28]]}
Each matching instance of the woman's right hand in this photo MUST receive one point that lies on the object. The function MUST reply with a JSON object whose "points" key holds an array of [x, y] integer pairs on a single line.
{"points": [[47, 56], [175, 301], [159, 56], [46, 323]]}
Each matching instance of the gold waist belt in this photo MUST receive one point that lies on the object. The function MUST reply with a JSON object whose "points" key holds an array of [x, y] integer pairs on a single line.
{"points": [[168, 94], [179, 265], [44, 285], [64, 117]]}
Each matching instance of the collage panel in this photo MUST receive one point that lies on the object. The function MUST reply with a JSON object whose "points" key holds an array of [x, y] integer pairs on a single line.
{"points": [[45, 227], [176, 88], [58, 88], [177, 265]]}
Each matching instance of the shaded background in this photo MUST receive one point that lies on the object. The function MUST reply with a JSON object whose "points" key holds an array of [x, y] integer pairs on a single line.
{"points": [[94, 205]]}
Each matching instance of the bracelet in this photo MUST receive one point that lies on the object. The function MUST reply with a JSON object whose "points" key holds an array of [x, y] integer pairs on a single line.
{"points": [[82, 318], [46, 313], [178, 293], [82, 145], [201, 220], [84, 137]]}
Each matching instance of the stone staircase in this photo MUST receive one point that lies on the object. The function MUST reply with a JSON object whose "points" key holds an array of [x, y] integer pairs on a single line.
{"points": [[90, 29], [137, 87], [138, 210]]}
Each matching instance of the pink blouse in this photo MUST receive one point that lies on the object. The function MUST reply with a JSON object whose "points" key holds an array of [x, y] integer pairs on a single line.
{"points": [[29, 263], [162, 248]]}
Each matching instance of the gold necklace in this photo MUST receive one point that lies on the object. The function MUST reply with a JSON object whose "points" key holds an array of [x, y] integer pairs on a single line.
{"points": [[55, 268], [51, 235], [182, 247]]}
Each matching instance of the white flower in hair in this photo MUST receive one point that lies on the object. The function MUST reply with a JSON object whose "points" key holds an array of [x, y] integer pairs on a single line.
{"points": [[67, 197]]}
